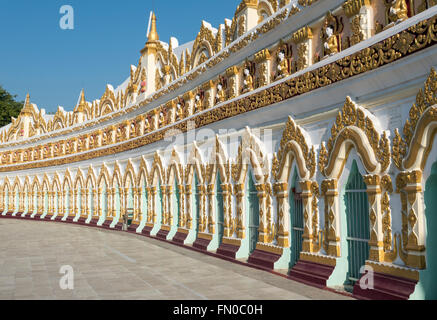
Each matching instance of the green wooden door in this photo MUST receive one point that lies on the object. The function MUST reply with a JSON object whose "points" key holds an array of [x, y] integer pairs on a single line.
{"points": [[143, 212], [220, 209], [253, 212], [428, 277], [158, 205], [357, 215], [297, 224], [196, 200]]}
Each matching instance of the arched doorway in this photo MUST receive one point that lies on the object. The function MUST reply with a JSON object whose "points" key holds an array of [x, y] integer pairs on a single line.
{"points": [[6, 198], [16, 199], [104, 200], [175, 206], [144, 195], [26, 199], [158, 208], [56, 200], [219, 209], [358, 229], [79, 202], [296, 218], [46, 199], [36, 204], [252, 205], [90, 198], [66, 199], [117, 201], [129, 198], [195, 208]]}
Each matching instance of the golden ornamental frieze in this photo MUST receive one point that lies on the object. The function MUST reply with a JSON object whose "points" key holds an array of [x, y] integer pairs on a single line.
{"points": [[379, 54]]}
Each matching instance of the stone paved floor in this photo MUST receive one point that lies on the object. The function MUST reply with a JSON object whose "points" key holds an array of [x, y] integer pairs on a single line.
{"points": [[115, 265]]}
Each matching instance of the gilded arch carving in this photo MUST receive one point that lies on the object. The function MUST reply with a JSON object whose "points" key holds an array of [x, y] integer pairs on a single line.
{"points": [[108, 102], [355, 128], [103, 176], [116, 176], [130, 177], [26, 185], [46, 183], [266, 8], [205, 40], [67, 180], [175, 172], [143, 175], [79, 181], [25, 195], [157, 174], [103, 180], [16, 190], [175, 169], [7, 184], [251, 151], [219, 164], [295, 146], [410, 154], [157, 171], [129, 174], [34, 190], [195, 164], [56, 183], [90, 178], [411, 150], [17, 185], [143, 182], [35, 183]]}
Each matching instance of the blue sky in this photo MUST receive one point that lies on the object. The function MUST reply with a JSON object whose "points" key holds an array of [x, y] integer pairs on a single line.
{"points": [[53, 65]]}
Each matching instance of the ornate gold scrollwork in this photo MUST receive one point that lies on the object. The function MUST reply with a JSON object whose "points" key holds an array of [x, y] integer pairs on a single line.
{"points": [[425, 99]]}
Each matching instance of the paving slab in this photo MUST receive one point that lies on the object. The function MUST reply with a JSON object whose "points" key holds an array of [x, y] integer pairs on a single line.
{"points": [[116, 265]]}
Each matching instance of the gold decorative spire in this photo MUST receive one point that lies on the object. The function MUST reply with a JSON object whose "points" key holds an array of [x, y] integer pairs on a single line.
{"points": [[152, 38], [153, 34], [82, 103], [27, 108]]}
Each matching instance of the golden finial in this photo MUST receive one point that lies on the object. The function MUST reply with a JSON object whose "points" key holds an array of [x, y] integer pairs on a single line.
{"points": [[153, 34], [27, 108], [82, 97], [82, 103]]}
